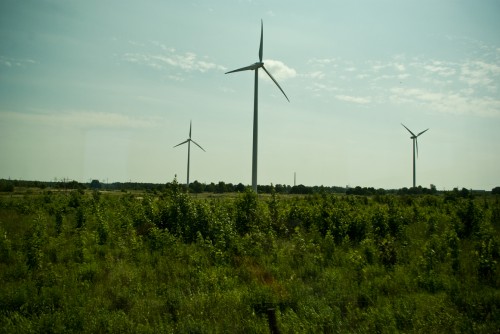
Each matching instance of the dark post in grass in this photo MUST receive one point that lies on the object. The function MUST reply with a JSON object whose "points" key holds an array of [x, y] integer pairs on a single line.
{"points": [[273, 327]]}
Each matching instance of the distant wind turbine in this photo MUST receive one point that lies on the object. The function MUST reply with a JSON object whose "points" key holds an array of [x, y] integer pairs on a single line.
{"points": [[415, 145], [188, 141], [255, 67]]}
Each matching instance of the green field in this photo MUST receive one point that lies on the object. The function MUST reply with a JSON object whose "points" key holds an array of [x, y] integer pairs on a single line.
{"points": [[169, 262]]}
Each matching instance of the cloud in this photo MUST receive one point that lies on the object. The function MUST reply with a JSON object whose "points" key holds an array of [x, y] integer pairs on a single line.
{"points": [[316, 87], [399, 67], [353, 99], [170, 58], [323, 61], [188, 61], [448, 102], [15, 62], [469, 85], [279, 70], [376, 66], [471, 72], [390, 70], [315, 75], [479, 73], [362, 76], [440, 68]]}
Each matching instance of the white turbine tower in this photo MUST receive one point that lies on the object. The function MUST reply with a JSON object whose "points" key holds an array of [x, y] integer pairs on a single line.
{"points": [[415, 144], [255, 67], [188, 141]]}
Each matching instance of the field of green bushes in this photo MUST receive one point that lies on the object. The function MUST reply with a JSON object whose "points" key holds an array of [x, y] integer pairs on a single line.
{"points": [[170, 262]]}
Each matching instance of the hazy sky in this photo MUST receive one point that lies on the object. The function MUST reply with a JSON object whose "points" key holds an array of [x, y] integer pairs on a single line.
{"points": [[105, 89]]}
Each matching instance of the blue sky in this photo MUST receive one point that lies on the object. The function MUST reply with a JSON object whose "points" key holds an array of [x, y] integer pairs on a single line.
{"points": [[105, 89]]}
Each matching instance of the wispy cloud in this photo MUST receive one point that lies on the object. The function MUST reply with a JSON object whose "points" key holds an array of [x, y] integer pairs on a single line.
{"points": [[187, 61], [15, 62], [448, 102], [479, 73], [353, 99], [460, 86], [443, 69], [170, 58], [399, 67], [317, 87], [323, 61], [315, 75]]}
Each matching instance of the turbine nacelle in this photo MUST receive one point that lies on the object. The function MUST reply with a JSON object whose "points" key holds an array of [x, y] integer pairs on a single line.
{"points": [[189, 140], [260, 64], [248, 68]]}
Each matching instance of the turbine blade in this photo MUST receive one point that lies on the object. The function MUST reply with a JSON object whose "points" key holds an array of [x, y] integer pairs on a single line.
{"points": [[182, 143], [408, 130], [276, 82], [190, 129], [421, 132], [198, 145], [261, 38], [246, 68]]}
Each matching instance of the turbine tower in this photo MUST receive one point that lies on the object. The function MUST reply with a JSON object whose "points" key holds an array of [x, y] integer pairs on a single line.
{"points": [[188, 141], [255, 67], [415, 144]]}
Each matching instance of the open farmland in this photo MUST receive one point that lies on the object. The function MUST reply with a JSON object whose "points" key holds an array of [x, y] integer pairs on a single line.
{"points": [[169, 262]]}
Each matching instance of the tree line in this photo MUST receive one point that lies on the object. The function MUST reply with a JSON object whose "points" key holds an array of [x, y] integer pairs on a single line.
{"points": [[222, 187]]}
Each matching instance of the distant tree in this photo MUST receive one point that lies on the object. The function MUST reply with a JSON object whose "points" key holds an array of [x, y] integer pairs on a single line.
{"points": [[264, 189], [95, 184], [74, 185], [229, 187], [196, 187], [300, 189], [6, 185], [403, 191], [495, 191], [336, 189], [220, 188], [210, 187], [280, 189], [360, 191], [240, 187]]}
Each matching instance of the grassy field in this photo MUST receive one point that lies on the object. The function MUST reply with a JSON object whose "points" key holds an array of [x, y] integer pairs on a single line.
{"points": [[168, 262]]}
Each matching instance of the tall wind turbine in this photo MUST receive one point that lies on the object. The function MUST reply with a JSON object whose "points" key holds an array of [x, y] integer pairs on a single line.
{"points": [[255, 67], [188, 141], [415, 144]]}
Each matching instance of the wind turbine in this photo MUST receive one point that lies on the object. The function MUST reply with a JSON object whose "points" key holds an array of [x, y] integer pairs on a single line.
{"points": [[255, 67], [415, 144], [188, 141]]}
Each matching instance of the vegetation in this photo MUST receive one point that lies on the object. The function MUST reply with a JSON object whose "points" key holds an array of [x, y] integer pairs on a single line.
{"points": [[222, 187], [165, 261]]}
